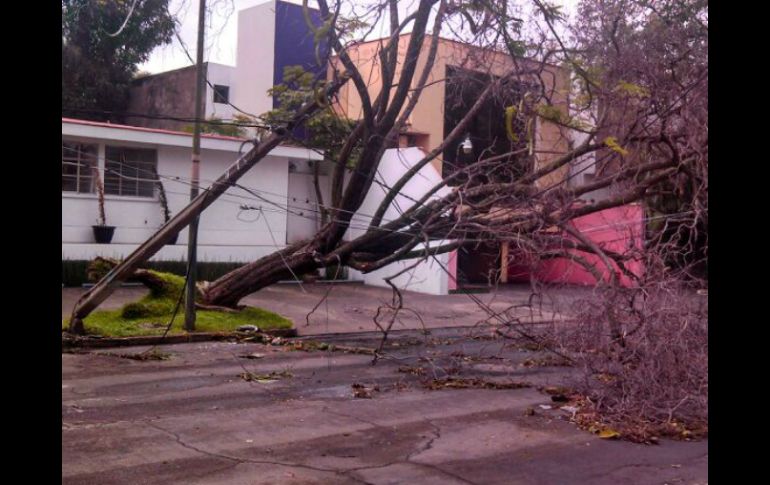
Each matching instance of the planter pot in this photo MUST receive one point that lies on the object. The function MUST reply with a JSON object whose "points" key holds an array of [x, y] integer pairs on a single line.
{"points": [[103, 234]]}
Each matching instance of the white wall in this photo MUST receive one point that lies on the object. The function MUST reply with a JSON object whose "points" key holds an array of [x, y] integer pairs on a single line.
{"points": [[255, 58], [583, 170], [429, 276], [222, 75], [304, 216], [394, 163], [224, 233]]}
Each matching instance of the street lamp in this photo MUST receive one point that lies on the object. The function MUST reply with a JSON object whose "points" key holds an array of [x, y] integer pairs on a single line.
{"points": [[466, 145]]}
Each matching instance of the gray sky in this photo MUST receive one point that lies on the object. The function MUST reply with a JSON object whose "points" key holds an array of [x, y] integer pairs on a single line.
{"points": [[221, 33]]}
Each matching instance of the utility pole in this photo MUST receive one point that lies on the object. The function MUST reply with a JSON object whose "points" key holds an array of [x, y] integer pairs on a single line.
{"points": [[192, 242]]}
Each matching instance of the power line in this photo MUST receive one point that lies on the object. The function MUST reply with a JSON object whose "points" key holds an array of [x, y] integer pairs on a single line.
{"points": [[187, 53], [185, 180], [185, 119], [281, 254], [255, 197], [287, 210], [125, 22], [281, 210]]}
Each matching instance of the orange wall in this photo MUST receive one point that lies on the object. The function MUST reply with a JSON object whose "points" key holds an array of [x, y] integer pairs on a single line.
{"points": [[428, 115]]}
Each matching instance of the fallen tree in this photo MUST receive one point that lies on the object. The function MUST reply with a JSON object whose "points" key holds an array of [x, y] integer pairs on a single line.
{"points": [[638, 96], [643, 124]]}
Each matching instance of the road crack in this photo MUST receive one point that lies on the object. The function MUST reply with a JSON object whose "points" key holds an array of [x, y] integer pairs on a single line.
{"points": [[238, 461], [408, 459]]}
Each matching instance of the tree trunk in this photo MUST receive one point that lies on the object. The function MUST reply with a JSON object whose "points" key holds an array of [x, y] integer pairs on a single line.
{"points": [[288, 263], [151, 279]]}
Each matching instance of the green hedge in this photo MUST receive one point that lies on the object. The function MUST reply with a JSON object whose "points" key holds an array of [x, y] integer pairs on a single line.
{"points": [[73, 272]]}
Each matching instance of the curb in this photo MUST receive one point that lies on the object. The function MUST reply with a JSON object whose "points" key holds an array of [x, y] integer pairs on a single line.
{"points": [[69, 341]]}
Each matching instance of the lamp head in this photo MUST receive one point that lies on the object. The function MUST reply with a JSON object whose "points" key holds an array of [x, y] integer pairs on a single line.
{"points": [[467, 146]]}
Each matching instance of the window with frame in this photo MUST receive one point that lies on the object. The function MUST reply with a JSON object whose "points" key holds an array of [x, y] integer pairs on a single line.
{"points": [[78, 161], [221, 94], [130, 171]]}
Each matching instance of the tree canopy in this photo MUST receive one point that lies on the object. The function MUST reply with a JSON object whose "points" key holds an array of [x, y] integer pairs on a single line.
{"points": [[103, 41], [326, 129]]}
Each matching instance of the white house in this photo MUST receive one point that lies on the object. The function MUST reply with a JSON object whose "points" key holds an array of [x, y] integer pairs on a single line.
{"points": [[127, 157], [278, 191]]}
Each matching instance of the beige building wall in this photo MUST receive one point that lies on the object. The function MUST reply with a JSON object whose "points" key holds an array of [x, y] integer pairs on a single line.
{"points": [[427, 119], [171, 94], [161, 97]]}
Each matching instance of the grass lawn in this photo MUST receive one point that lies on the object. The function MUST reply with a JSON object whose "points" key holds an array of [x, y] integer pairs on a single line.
{"points": [[151, 314], [110, 323]]}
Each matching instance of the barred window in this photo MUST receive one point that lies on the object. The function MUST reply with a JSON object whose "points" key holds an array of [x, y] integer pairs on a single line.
{"points": [[77, 165], [130, 171]]}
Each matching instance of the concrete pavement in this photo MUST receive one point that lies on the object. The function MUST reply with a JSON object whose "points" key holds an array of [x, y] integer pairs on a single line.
{"points": [[351, 307]]}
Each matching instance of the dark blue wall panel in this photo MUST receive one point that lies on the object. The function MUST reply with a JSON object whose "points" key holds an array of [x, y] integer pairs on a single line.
{"points": [[294, 42]]}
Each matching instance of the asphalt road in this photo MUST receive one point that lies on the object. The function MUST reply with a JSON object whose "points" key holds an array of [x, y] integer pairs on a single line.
{"points": [[193, 419]]}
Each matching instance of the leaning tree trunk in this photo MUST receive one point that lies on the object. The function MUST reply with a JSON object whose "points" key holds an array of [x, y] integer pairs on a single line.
{"points": [[150, 279], [290, 262]]}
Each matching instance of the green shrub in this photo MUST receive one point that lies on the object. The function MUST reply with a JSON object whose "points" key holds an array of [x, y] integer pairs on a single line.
{"points": [[74, 271]]}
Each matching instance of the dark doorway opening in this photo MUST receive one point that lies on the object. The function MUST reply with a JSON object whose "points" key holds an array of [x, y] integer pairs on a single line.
{"points": [[479, 265], [487, 130]]}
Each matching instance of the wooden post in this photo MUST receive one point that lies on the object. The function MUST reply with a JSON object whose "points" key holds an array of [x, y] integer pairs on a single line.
{"points": [[504, 262], [192, 239]]}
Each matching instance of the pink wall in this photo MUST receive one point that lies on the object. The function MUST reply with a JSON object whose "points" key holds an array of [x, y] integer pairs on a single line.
{"points": [[619, 229]]}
